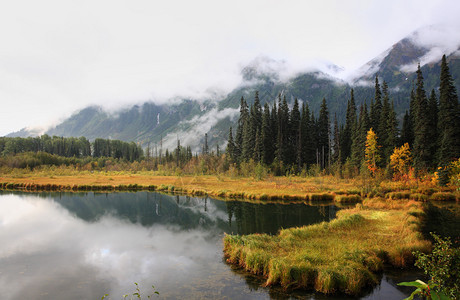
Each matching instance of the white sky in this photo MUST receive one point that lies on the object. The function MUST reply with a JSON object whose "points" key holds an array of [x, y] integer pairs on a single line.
{"points": [[60, 56]]}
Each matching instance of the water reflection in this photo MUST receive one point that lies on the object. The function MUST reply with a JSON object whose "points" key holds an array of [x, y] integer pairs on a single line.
{"points": [[81, 246]]}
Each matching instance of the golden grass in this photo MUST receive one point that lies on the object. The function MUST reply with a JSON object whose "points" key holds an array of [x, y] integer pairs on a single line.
{"points": [[339, 256], [270, 189], [288, 189]]}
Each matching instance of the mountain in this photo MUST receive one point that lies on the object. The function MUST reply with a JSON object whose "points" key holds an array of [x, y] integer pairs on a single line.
{"points": [[188, 120]]}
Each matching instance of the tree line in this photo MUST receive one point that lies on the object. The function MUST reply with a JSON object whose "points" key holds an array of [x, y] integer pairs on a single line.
{"points": [[294, 139], [72, 147], [280, 139]]}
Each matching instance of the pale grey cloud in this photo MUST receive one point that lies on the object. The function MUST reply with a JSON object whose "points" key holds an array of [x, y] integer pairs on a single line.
{"points": [[189, 132], [60, 55]]}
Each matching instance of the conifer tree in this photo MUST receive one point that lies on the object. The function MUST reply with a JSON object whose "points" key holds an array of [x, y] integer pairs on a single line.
{"points": [[258, 147], [283, 134], [314, 141], [231, 147], [359, 137], [432, 129], [421, 143], [178, 153], [242, 121], [294, 140], [274, 127], [323, 134], [267, 136], [307, 136], [248, 137], [256, 115], [449, 117], [383, 122], [205, 146], [336, 146], [376, 108], [407, 132], [350, 125], [391, 134]]}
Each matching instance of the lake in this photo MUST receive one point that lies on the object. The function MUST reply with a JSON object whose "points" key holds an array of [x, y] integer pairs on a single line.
{"points": [[85, 245]]}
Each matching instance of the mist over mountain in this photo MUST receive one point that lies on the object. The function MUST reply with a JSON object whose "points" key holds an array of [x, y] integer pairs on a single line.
{"points": [[188, 120]]}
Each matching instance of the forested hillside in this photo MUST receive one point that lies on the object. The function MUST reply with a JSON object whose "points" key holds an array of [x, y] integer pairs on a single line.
{"points": [[188, 120]]}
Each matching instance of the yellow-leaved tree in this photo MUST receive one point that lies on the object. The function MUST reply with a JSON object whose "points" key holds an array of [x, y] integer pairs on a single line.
{"points": [[372, 152], [401, 161]]}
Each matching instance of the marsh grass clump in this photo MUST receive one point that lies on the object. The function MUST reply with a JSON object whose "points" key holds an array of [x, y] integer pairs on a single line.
{"points": [[348, 198], [322, 197], [419, 197], [398, 195], [443, 196], [340, 256]]}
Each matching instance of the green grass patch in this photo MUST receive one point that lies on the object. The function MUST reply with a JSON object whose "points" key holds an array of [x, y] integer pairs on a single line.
{"points": [[340, 256]]}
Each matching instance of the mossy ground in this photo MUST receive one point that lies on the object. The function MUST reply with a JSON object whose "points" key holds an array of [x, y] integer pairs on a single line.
{"points": [[338, 256]]}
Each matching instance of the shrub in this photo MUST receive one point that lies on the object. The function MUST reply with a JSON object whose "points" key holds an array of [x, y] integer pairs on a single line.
{"points": [[443, 266]]}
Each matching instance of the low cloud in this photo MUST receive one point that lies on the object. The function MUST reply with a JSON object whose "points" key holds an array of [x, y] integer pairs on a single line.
{"points": [[439, 39], [191, 132]]}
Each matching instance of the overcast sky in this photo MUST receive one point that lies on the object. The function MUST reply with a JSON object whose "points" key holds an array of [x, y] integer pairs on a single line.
{"points": [[59, 56]]}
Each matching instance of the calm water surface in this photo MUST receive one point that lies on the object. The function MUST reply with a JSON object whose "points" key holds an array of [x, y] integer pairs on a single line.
{"points": [[82, 246]]}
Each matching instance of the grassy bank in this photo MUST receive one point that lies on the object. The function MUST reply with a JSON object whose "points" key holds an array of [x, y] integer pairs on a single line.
{"points": [[340, 256], [270, 189]]}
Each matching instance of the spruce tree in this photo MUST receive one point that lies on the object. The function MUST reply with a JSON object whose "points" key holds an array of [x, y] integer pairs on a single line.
{"points": [[421, 142], [323, 134], [407, 131], [283, 131], [248, 137], [256, 129], [205, 146], [267, 136], [391, 134], [314, 139], [359, 137], [383, 123], [350, 125], [376, 108], [432, 129], [258, 145], [242, 121], [256, 115], [336, 145], [449, 117], [307, 137], [231, 147], [294, 140]]}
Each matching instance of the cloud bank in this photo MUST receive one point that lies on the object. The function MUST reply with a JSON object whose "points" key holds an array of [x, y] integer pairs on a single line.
{"points": [[58, 56]]}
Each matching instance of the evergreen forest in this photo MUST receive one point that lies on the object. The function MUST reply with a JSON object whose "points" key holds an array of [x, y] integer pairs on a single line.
{"points": [[294, 139]]}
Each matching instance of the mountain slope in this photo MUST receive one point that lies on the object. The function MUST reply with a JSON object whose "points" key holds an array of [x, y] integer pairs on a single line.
{"points": [[189, 119]]}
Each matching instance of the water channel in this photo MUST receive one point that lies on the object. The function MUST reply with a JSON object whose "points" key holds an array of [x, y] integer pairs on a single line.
{"points": [[85, 245]]}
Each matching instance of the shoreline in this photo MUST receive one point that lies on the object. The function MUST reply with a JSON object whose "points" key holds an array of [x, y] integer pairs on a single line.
{"points": [[342, 256], [270, 189]]}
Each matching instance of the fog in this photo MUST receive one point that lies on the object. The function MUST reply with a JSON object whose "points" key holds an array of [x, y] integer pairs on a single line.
{"points": [[59, 56]]}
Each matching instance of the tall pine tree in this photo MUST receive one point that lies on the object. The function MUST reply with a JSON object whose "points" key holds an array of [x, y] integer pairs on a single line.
{"points": [[376, 108], [268, 138], [350, 125], [421, 142], [449, 117], [432, 129], [324, 134]]}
